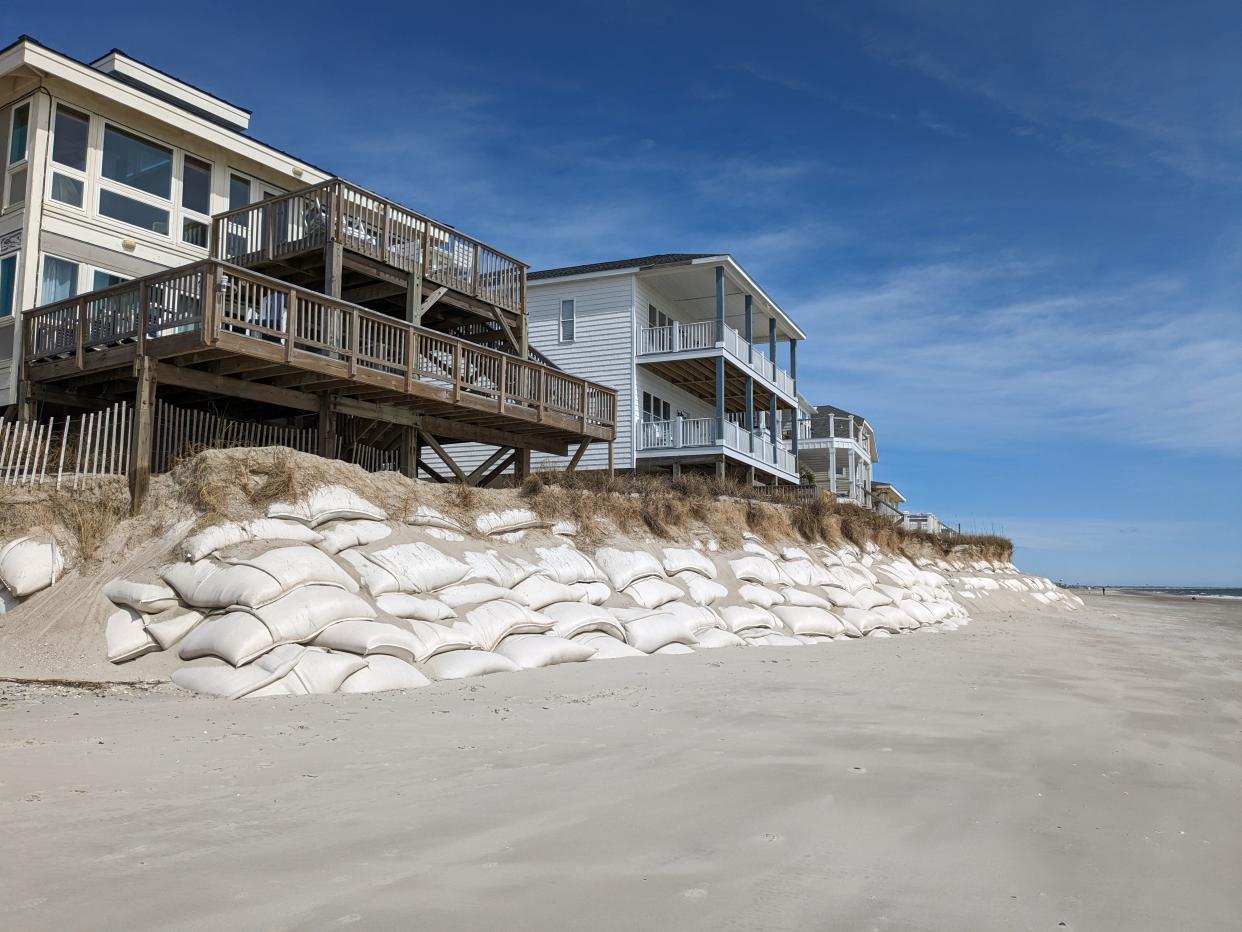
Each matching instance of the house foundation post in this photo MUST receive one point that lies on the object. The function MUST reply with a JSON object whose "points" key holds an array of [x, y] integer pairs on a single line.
{"points": [[141, 434], [327, 426]]}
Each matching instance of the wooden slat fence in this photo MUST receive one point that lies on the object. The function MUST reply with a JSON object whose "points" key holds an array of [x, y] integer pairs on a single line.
{"points": [[72, 451], [182, 432]]}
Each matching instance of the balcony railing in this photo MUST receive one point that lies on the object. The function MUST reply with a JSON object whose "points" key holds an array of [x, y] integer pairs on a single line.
{"points": [[218, 302], [701, 335], [336, 211], [701, 432]]}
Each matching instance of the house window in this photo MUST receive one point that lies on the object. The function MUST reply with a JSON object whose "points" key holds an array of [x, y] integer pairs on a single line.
{"points": [[101, 279], [16, 171], [8, 284], [69, 143], [136, 163], [657, 318], [567, 320], [239, 192], [60, 280], [195, 200], [655, 409]]}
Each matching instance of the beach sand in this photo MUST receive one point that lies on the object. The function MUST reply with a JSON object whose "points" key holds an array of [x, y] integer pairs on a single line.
{"points": [[1030, 771]]}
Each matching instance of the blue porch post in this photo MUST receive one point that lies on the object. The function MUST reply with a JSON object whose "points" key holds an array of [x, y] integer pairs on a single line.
{"points": [[793, 374], [720, 304], [750, 329], [772, 397], [750, 413], [720, 397], [772, 339]]}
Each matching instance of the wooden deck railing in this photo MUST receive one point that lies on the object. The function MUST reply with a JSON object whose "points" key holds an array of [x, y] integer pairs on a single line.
{"points": [[311, 331], [370, 225]]}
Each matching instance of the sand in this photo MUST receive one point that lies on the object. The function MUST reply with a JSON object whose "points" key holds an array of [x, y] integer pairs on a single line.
{"points": [[1031, 771]]}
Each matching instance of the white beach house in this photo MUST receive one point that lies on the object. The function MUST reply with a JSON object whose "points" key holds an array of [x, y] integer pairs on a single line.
{"points": [[703, 360], [113, 170], [838, 449]]}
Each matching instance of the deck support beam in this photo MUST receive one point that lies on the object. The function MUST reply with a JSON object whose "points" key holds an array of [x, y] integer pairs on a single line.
{"points": [[444, 457], [141, 433], [521, 464], [480, 470], [577, 457], [498, 471], [610, 462]]}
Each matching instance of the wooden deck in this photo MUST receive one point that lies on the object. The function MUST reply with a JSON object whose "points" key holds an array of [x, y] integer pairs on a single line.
{"points": [[342, 240], [213, 329]]}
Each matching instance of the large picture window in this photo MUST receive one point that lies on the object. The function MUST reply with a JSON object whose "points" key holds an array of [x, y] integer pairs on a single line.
{"points": [[69, 145], [137, 163], [195, 200]]}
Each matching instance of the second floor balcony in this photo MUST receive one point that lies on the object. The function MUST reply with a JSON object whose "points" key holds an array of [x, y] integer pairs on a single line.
{"points": [[707, 337]]}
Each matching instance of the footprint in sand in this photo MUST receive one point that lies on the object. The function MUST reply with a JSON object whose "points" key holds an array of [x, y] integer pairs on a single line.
{"points": [[694, 893]]}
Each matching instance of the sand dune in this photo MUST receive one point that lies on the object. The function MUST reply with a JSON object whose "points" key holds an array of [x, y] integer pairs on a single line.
{"points": [[1043, 771]]}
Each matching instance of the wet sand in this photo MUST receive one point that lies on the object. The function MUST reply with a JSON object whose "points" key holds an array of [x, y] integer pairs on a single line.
{"points": [[1031, 771]]}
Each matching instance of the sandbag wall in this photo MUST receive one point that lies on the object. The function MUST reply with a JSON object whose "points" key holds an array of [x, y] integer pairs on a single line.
{"points": [[331, 594]]}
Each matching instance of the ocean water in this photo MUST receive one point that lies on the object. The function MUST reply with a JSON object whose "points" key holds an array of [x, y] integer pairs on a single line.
{"points": [[1200, 593]]}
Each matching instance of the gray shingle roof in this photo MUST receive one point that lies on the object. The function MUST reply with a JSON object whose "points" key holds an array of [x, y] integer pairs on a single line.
{"points": [[668, 258]]}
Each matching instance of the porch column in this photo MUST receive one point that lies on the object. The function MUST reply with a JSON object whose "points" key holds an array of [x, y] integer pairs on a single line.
{"points": [[853, 472], [772, 339], [832, 467], [720, 397], [750, 329], [141, 434], [772, 424], [793, 372], [720, 304], [333, 257], [749, 420]]}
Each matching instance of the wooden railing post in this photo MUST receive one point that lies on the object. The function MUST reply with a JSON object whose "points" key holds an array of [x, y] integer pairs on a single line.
{"points": [[411, 339], [456, 370], [474, 283], [291, 323], [385, 222], [80, 343], [353, 341], [500, 394], [142, 317]]}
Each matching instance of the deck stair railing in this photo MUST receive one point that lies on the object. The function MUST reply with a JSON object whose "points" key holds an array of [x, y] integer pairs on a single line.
{"points": [[364, 223], [216, 300]]}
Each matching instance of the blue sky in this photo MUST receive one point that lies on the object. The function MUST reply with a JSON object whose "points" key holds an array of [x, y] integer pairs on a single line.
{"points": [[1013, 232]]}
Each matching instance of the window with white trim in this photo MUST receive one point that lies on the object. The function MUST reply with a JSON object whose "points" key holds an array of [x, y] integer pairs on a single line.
{"points": [[195, 200], [657, 318], [16, 162], [59, 281], [135, 180], [655, 408], [567, 320], [70, 143], [8, 285]]}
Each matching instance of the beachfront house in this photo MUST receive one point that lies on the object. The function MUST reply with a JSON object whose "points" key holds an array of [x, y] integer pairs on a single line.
{"points": [[923, 521], [886, 500], [155, 255], [703, 360], [839, 452]]}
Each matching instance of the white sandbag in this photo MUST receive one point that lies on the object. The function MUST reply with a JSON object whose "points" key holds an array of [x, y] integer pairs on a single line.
{"points": [[508, 521], [440, 533], [218, 536], [221, 679], [341, 535], [888, 617], [677, 560], [653, 632], [652, 593], [419, 567], [597, 593], [753, 546], [674, 648], [148, 598], [539, 590], [404, 605], [531, 651], [895, 593], [375, 579], [702, 590], [878, 633], [568, 565], [625, 567], [759, 570], [573, 618], [805, 573], [606, 646], [491, 567], [712, 638], [425, 516], [739, 618], [760, 595], [253, 583], [917, 612], [126, 635], [698, 617], [840, 598], [241, 636], [460, 664], [565, 528], [862, 620], [847, 579], [794, 553], [810, 599], [168, 631], [29, 564], [871, 598], [440, 639], [471, 594], [316, 673], [328, 503], [372, 637], [804, 619], [492, 622], [382, 674]]}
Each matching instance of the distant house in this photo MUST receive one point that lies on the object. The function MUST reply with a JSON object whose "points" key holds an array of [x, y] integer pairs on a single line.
{"points": [[838, 449], [924, 521], [887, 500], [690, 343]]}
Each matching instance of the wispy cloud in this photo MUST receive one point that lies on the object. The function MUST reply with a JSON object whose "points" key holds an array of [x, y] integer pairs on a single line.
{"points": [[973, 353]]}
